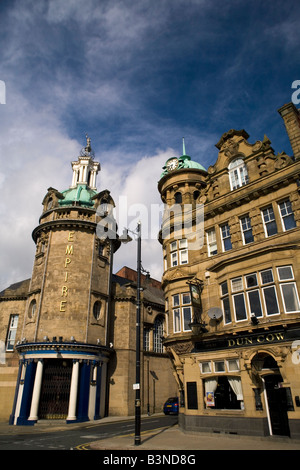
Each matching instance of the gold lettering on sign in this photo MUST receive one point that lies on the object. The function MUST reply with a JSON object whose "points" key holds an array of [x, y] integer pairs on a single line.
{"points": [[62, 306], [69, 250], [64, 291], [69, 253], [245, 340]]}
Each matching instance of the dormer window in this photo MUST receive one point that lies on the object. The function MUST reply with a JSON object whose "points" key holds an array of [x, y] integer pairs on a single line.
{"points": [[238, 175]]}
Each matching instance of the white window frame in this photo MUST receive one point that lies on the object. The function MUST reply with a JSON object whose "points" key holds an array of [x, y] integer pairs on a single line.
{"points": [[234, 307], [231, 360], [269, 221], [238, 174], [179, 252], [248, 223], [208, 363], [288, 214], [249, 304], [219, 362], [176, 320], [288, 278], [212, 242], [174, 259], [238, 289], [226, 236], [12, 332], [269, 286]]}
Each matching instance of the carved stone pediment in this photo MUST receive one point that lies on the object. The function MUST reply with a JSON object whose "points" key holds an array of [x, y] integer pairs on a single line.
{"points": [[175, 274]]}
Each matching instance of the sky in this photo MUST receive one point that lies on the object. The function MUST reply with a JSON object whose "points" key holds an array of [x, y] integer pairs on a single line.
{"points": [[136, 76]]}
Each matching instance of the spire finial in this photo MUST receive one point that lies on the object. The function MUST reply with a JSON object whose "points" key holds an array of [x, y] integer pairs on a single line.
{"points": [[183, 146]]}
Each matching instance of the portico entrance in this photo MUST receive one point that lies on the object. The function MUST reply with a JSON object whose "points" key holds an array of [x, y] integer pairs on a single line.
{"points": [[55, 390]]}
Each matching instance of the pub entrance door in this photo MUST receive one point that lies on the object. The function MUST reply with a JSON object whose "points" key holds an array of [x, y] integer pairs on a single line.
{"points": [[278, 405], [55, 390]]}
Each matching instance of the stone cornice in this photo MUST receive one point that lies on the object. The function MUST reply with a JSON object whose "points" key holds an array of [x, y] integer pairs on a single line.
{"points": [[63, 223], [60, 346]]}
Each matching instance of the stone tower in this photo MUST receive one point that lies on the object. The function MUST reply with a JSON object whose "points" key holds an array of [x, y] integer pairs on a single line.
{"points": [[65, 346]]}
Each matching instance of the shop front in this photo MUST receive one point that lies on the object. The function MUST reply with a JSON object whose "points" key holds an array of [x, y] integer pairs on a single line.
{"points": [[245, 383]]}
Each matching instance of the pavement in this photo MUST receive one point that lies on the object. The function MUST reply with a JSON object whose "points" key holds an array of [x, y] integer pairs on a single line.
{"points": [[169, 438]]}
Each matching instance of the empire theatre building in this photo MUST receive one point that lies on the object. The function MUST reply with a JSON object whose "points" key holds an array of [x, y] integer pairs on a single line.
{"points": [[233, 301]]}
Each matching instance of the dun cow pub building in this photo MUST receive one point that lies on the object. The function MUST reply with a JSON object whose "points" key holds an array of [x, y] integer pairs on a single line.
{"points": [[235, 344]]}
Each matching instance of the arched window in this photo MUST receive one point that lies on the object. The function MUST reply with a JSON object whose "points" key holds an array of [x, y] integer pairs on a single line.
{"points": [[158, 334], [238, 175], [97, 309], [178, 198]]}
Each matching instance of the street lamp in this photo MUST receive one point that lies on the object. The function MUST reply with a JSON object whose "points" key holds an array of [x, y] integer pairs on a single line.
{"points": [[137, 437], [137, 385]]}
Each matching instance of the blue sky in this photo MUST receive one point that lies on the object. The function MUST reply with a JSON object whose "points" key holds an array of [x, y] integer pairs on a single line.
{"points": [[137, 76]]}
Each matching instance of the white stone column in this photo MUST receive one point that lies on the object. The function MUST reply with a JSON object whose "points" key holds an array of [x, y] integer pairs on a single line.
{"points": [[36, 392], [73, 392]]}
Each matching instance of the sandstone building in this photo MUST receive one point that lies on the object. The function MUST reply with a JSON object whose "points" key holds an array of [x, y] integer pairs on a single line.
{"points": [[68, 332], [231, 239]]}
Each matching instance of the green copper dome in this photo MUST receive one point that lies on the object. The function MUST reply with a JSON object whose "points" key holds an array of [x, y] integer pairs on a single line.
{"points": [[180, 163], [81, 194]]}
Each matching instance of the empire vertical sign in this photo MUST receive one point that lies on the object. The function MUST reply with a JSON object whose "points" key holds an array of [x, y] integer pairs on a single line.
{"points": [[68, 259]]}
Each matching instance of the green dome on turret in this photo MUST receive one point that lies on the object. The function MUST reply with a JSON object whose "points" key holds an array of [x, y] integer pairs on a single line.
{"points": [[181, 163], [80, 195]]}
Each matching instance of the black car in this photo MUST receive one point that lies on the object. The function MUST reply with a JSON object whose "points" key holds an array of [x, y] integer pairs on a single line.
{"points": [[171, 406]]}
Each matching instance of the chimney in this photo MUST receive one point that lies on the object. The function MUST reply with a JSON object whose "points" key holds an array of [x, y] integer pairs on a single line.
{"points": [[291, 118]]}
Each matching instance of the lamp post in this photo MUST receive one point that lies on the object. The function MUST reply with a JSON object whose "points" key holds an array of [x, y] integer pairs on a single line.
{"points": [[137, 385], [137, 437]]}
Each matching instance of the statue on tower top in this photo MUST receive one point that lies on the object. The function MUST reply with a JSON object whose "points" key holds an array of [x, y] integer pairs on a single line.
{"points": [[87, 150]]}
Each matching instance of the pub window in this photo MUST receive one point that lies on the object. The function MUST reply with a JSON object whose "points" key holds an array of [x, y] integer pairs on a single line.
{"points": [[246, 230], [238, 175], [269, 292], [211, 242], [11, 333], [258, 293], [179, 252], [253, 294], [238, 299], [239, 307], [174, 254], [182, 312], [269, 221], [288, 290], [287, 215], [223, 393], [233, 365], [186, 311], [225, 302], [205, 367], [219, 366], [226, 238], [183, 251]]}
